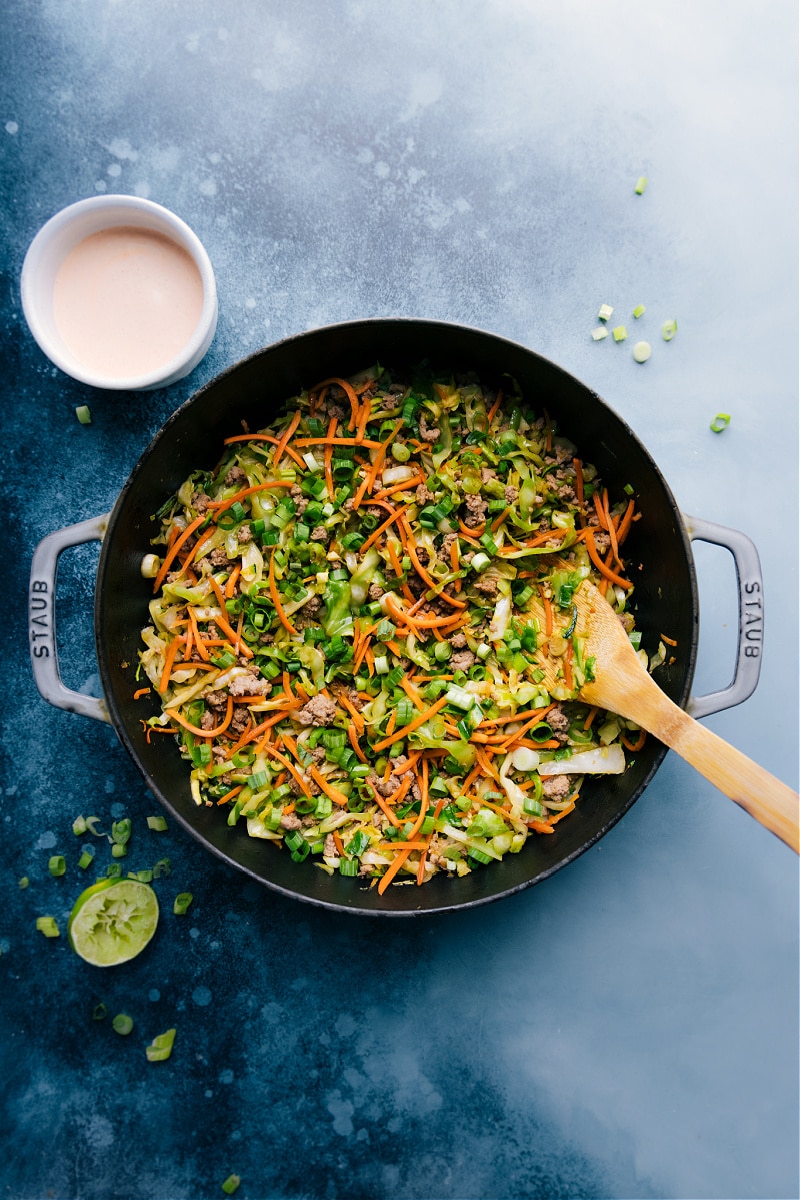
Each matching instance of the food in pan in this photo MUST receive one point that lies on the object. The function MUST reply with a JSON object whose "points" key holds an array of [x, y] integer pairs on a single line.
{"points": [[350, 617]]}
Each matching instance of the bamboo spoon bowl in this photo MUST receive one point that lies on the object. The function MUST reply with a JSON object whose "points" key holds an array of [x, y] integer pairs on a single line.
{"points": [[622, 685]]}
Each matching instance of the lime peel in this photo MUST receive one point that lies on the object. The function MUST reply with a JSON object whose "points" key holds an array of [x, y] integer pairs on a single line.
{"points": [[112, 921]]}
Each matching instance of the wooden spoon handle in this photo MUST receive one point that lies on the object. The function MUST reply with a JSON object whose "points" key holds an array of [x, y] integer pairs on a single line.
{"points": [[772, 803]]}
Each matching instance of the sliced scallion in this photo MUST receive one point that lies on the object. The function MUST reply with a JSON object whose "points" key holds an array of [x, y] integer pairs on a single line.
{"points": [[604, 312], [642, 351], [639, 311], [231, 1184], [122, 1024], [182, 902], [57, 865], [48, 926], [619, 333], [161, 1046], [599, 333], [721, 421], [669, 329], [159, 824], [640, 185], [83, 414]]}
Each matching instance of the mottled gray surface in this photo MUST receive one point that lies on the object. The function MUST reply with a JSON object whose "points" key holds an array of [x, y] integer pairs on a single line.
{"points": [[628, 1029]]}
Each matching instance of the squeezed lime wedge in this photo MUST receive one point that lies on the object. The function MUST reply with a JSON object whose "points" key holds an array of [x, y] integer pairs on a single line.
{"points": [[112, 921]]}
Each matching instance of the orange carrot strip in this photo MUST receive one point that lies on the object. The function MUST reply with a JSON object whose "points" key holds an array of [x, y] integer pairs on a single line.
{"points": [[410, 765], [590, 716], [352, 734], [349, 391], [669, 641], [290, 767], [195, 729], [229, 795], [137, 695], [405, 485], [330, 440], [493, 410], [169, 661], [276, 599], [376, 533], [219, 506], [286, 438], [423, 808], [415, 724], [601, 566], [626, 522], [230, 586], [328, 457], [239, 646], [198, 641], [174, 550], [328, 788], [498, 521], [391, 871], [634, 745]]}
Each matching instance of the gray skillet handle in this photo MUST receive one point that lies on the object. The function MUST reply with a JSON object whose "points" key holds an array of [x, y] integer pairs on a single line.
{"points": [[41, 618], [751, 616]]}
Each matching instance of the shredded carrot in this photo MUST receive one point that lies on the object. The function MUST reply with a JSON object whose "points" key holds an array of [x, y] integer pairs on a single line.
{"points": [[239, 646], [493, 410], [286, 438], [669, 641], [266, 437], [348, 390], [276, 599], [397, 863], [423, 807], [383, 805], [636, 744], [563, 812], [196, 729], [472, 534], [230, 586], [175, 548], [229, 795], [220, 506], [328, 788], [376, 533], [390, 724], [410, 765], [137, 695], [415, 724], [290, 767], [601, 566], [413, 694], [328, 457], [169, 660], [590, 716], [352, 734]]}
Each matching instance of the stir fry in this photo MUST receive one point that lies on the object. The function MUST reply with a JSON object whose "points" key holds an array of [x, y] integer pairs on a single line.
{"points": [[350, 618]]}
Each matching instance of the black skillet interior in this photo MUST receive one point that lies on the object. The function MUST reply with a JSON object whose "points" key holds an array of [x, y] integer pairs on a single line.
{"points": [[254, 391]]}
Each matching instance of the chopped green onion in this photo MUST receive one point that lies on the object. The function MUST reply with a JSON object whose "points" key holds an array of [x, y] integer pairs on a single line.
{"points": [[669, 329], [48, 926], [79, 826], [231, 1184], [348, 866], [122, 1024], [641, 184], [159, 824], [620, 333], [83, 414], [119, 850], [639, 311], [604, 312], [721, 421], [641, 352], [182, 902], [162, 867], [24, 882], [100, 1013], [161, 1046], [599, 333], [57, 865], [480, 561], [121, 831]]}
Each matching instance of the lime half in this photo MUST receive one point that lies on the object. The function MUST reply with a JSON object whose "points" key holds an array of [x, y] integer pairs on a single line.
{"points": [[113, 921]]}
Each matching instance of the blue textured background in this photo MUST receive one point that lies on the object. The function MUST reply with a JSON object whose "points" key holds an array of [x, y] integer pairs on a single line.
{"points": [[629, 1028]]}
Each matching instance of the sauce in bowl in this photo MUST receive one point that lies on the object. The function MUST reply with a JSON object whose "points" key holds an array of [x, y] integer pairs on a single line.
{"points": [[127, 300]]}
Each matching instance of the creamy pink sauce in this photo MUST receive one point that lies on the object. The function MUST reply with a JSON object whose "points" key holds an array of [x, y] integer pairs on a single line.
{"points": [[126, 301]]}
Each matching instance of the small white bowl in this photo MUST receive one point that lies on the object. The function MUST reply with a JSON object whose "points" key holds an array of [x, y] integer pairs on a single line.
{"points": [[60, 235]]}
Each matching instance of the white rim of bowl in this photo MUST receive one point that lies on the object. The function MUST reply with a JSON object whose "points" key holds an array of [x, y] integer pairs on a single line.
{"points": [[191, 353]]}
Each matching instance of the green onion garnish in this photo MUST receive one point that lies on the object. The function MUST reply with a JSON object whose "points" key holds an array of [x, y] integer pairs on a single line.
{"points": [[639, 311], [721, 421], [100, 1013], [599, 333], [48, 926], [231, 1184], [620, 333], [182, 902], [57, 865], [604, 312], [159, 824], [122, 1024], [24, 882], [669, 329], [640, 185], [161, 1046], [641, 351], [83, 414]]}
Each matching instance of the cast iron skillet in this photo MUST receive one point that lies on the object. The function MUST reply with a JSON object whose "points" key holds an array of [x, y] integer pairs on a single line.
{"points": [[658, 551]]}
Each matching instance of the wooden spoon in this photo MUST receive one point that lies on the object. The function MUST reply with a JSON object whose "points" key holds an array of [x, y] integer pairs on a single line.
{"points": [[623, 686]]}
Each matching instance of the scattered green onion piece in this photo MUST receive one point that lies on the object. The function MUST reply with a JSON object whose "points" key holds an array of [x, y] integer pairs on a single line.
{"points": [[669, 329], [604, 312], [639, 311], [57, 865], [641, 351], [182, 902], [48, 926], [721, 421], [599, 333], [79, 826], [162, 867], [619, 333], [100, 1013], [348, 866], [119, 850], [231, 1184], [83, 413], [641, 184], [122, 1024], [161, 1046], [159, 824], [24, 882], [480, 561]]}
